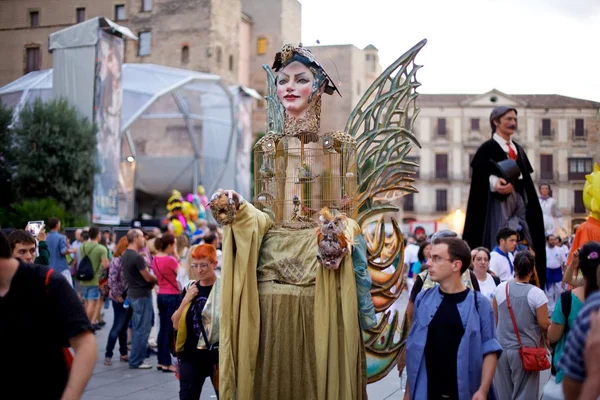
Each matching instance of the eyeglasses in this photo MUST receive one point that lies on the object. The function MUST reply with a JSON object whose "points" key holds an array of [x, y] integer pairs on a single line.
{"points": [[203, 265], [438, 259]]}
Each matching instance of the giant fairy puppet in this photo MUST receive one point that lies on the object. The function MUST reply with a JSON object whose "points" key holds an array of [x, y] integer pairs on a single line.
{"points": [[300, 286]]}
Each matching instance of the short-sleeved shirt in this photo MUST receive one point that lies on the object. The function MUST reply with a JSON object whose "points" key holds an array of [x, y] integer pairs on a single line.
{"points": [[559, 317], [500, 266], [488, 287], [133, 263], [165, 269], [36, 323], [535, 297], [57, 246], [193, 319], [572, 361], [95, 252]]}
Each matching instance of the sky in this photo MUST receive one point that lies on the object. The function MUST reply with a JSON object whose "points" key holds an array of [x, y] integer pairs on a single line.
{"points": [[515, 46]]}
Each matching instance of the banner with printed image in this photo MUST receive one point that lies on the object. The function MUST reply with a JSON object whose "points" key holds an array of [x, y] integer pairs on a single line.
{"points": [[108, 100]]}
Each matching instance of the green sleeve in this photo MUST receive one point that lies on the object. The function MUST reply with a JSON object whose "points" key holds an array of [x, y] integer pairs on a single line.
{"points": [[44, 254], [368, 319]]}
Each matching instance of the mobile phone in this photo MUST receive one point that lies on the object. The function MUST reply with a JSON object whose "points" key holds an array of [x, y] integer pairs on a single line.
{"points": [[34, 227]]}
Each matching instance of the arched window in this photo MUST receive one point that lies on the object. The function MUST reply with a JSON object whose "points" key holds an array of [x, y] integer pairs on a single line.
{"points": [[185, 54]]}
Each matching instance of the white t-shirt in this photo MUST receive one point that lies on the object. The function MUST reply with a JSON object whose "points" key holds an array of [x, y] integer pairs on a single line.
{"points": [[487, 287], [535, 297], [411, 254], [555, 257], [499, 265]]}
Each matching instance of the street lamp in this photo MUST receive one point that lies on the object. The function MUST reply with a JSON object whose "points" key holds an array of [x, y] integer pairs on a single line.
{"points": [[130, 159]]}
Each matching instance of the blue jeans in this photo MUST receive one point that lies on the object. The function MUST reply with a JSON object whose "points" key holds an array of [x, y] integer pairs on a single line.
{"points": [[141, 324], [118, 330], [167, 305]]}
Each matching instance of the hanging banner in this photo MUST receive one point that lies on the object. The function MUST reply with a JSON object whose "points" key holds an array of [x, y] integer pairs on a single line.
{"points": [[108, 99]]}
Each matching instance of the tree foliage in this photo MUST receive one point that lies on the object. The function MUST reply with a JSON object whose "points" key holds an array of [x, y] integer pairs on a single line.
{"points": [[55, 153], [7, 162], [18, 214]]}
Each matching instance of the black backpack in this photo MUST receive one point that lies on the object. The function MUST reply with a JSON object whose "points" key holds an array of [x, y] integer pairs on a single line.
{"points": [[85, 269], [565, 300]]}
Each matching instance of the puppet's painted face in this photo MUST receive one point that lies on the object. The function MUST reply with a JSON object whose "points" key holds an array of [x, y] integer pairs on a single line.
{"points": [[507, 123], [294, 86], [591, 192]]}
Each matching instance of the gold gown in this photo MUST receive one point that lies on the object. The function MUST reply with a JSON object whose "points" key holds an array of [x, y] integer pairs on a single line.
{"points": [[289, 328]]}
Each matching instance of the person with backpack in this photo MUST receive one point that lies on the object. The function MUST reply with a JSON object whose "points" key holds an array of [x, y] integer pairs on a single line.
{"points": [[40, 317], [565, 313], [481, 265], [94, 258], [122, 312]]}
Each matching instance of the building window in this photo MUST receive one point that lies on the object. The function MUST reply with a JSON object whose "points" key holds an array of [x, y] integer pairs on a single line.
{"points": [[546, 161], [409, 202], [146, 5], [441, 127], [441, 166], [33, 60], [231, 63], [579, 128], [475, 124], [119, 12], [368, 57], [410, 167], [80, 14], [578, 206], [441, 200], [219, 55], [261, 46], [358, 88], [579, 167], [145, 44], [185, 54], [34, 19], [546, 127]]}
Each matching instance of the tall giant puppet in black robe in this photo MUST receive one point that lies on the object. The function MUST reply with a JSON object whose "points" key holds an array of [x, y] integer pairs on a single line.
{"points": [[487, 209]]}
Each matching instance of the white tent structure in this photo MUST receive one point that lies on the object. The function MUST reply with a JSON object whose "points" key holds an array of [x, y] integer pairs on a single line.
{"points": [[179, 128]]}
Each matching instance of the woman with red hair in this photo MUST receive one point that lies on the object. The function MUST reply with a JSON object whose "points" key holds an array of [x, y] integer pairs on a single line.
{"points": [[197, 324]]}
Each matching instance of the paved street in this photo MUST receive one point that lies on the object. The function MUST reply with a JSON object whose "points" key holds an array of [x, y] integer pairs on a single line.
{"points": [[118, 381]]}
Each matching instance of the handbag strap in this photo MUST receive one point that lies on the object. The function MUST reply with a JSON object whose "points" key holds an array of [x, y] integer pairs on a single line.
{"points": [[512, 316]]}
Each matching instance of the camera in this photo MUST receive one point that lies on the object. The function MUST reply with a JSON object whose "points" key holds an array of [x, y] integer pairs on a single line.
{"points": [[34, 227]]}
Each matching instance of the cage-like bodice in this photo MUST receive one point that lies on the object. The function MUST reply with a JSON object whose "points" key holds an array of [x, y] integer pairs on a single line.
{"points": [[295, 180]]}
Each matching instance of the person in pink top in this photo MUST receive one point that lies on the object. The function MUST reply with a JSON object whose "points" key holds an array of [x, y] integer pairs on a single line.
{"points": [[165, 268]]}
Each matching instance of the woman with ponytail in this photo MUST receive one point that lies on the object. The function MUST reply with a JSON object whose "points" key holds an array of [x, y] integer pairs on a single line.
{"points": [[570, 303], [529, 307]]}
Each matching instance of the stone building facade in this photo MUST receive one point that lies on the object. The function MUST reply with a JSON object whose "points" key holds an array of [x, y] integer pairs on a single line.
{"points": [[198, 35], [560, 135]]}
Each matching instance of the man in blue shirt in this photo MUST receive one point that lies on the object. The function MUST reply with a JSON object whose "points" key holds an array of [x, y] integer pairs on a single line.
{"points": [[57, 246], [452, 349]]}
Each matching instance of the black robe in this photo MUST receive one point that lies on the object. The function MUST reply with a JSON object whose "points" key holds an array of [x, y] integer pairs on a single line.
{"points": [[480, 195]]}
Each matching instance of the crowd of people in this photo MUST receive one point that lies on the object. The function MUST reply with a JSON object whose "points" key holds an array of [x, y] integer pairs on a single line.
{"points": [[143, 274], [467, 336]]}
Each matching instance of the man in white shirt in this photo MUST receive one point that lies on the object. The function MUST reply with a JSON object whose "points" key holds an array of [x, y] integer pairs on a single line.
{"points": [[555, 259], [502, 258]]}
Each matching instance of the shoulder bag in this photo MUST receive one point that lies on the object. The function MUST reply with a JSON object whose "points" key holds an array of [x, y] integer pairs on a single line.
{"points": [[533, 358]]}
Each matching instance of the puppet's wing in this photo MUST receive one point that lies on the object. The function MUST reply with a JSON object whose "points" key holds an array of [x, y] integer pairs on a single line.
{"points": [[382, 125], [275, 112]]}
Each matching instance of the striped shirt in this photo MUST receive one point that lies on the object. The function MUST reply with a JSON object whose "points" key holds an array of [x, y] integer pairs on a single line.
{"points": [[572, 361]]}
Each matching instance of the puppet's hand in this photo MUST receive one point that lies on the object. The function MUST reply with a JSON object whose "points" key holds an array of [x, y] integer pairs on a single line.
{"points": [[503, 187], [224, 205]]}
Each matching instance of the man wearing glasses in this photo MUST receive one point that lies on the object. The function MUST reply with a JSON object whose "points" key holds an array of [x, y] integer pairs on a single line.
{"points": [[446, 318]]}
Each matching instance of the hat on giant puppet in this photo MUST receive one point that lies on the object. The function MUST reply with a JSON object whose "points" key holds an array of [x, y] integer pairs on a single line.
{"points": [[289, 54], [507, 169], [497, 113]]}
